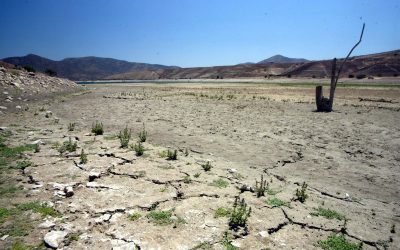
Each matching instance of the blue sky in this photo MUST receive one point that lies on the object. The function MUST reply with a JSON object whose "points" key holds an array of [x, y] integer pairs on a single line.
{"points": [[190, 33]]}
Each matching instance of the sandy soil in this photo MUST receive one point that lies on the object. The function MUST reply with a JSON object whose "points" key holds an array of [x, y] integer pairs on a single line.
{"points": [[349, 158]]}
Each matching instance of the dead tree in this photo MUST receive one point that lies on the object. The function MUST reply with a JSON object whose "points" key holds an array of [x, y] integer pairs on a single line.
{"points": [[324, 104]]}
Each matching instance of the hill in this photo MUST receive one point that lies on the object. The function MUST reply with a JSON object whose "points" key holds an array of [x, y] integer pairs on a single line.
{"points": [[282, 59], [83, 68]]}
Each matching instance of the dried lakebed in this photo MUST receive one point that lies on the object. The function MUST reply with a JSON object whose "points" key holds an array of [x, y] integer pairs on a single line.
{"points": [[349, 160]]}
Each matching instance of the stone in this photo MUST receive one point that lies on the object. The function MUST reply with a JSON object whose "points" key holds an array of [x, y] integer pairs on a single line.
{"points": [[122, 245], [40, 142], [103, 218], [46, 224], [54, 238], [263, 234], [2, 107], [69, 191], [4, 237], [93, 175]]}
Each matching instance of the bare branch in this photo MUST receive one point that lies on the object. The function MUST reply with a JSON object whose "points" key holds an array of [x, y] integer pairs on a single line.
{"points": [[348, 55]]}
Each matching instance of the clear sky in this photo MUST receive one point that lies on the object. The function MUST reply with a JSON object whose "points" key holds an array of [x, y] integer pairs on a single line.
{"points": [[197, 33]]}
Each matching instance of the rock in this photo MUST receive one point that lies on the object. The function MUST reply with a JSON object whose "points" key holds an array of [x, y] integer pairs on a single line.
{"points": [[54, 238], [40, 142], [4, 237], [48, 114], [232, 170], [122, 245], [2, 107], [46, 224], [3, 128], [263, 234], [5, 92], [93, 175], [103, 218], [69, 191]]}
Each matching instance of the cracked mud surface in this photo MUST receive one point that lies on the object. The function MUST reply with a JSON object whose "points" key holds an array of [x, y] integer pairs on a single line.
{"points": [[349, 158]]}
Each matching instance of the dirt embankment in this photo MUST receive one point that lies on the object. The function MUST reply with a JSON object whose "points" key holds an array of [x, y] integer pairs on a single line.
{"points": [[18, 88]]}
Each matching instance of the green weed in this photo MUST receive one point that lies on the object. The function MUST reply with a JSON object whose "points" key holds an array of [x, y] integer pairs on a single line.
{"points": [[338, 242]]}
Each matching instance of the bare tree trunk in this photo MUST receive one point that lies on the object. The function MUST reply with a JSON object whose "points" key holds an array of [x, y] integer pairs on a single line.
{"points": [[325, 104]]}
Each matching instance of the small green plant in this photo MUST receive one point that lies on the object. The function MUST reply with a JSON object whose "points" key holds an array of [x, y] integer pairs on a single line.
{"points": [[196, 175], [68, 146], [222, 212], [71, 126], [261, 187], [97, 128], [220, 183], [207, 166], [240, 214], [134, 216], [338, 242], [327, 213], [227, 242], [162, 154], [276, 202], [139, 149], [187, 179], [172, 155], [39, 207], [83, 157], [143, 134], [301, 194], [160, 217], [36, 148], [24, 164], [124, 137]]}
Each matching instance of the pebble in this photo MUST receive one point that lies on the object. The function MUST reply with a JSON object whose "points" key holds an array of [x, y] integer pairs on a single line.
{"points": [[54, 238]]}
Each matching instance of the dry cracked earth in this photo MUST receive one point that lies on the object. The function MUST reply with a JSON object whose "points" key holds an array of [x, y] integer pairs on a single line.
{"points": [[349, 159]]}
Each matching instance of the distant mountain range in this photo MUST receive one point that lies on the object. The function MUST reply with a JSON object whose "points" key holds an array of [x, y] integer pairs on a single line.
{"points": [[282, 59], [83, 68], [96, 68]]}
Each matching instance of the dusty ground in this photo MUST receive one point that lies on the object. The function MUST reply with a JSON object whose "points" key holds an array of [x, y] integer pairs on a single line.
{"points": [[349, 158]]}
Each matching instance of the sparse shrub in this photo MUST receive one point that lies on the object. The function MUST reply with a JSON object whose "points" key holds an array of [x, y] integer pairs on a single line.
{"points": [[139, 149], [134, 216], [124, 137], [68, 146], [261, 187], [207, 166], [240, 214], [50, 72], [338, 242], [97, 128], [327, 213], [143, 134], [301, 194], [276, 202], [220, 183], [71, 126], [172, 155], [162, 154], [227, 242], [160, 217], [24, 164], [187, 179], [83, 157], [29, 68], [222, 212]]}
